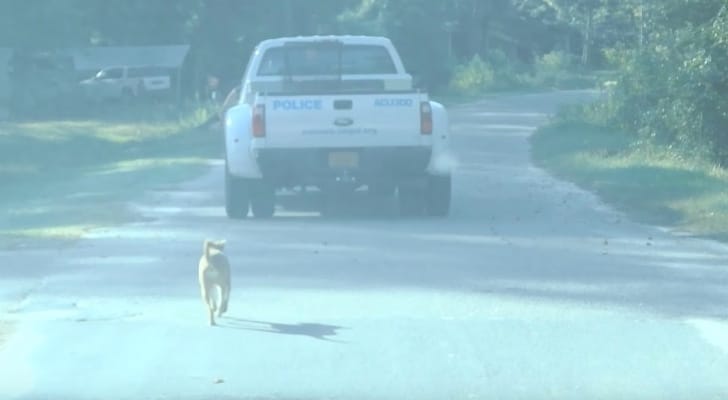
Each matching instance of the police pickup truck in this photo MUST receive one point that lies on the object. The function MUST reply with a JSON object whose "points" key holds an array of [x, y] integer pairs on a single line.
{"points": [[335, 113]]}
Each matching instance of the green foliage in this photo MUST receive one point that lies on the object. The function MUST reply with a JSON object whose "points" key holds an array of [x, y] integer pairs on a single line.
{"points": [[673, 90], [474, 77], [415, 27], [498, 73], [550, 67]]}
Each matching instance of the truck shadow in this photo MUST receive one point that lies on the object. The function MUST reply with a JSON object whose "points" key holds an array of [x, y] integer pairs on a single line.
{"points": [[357, 205]]}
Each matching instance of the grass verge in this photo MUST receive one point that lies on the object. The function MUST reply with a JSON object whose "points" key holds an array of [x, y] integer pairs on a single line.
{"points": [[652, 184], [58, 179]]}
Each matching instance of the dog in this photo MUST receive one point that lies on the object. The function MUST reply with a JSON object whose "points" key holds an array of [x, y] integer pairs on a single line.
{"points": [[214, 276]]}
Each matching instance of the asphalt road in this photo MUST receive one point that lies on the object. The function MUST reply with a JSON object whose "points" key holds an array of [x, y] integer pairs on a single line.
{"points": [[531, 289]]}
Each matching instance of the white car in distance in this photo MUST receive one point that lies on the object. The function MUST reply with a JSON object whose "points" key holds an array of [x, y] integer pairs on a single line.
{"points": [[125, 82]]}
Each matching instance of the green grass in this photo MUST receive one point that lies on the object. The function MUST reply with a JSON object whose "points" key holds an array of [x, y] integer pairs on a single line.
{"points": [[58, 179], [653, 184]]}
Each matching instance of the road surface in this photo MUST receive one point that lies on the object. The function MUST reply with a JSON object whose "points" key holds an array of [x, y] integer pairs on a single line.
{"points": [[531, 289]]}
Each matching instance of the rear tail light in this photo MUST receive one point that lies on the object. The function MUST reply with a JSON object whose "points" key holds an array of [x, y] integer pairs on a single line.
{"points": [[425, 118], [259, 121]]}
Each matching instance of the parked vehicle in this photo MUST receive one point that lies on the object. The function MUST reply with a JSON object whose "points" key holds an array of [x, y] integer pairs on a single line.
{"points": [[125, 82], [334, 112]]}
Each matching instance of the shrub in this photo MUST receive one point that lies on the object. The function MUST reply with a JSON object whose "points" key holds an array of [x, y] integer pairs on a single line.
{"points": [[550, 67], [474, 77]]}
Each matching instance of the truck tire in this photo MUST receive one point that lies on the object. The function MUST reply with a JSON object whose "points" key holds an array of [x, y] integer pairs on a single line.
{"points": [[410, 197], [439, 189], [263, 199], [382, 189], [237, 196], [330, 204], [127, 95]]}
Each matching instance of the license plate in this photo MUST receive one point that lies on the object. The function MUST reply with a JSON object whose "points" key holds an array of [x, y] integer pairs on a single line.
{"points": [[343, 159]]}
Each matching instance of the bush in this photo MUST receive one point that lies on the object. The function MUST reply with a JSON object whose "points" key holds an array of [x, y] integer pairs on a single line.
{"points": [[550, 68], [672, 91], [474, 77]]}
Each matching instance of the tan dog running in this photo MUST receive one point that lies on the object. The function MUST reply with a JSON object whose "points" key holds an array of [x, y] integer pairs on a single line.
{"points": [[214, 273]]}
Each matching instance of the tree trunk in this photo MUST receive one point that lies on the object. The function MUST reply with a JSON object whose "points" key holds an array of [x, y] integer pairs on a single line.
{"points": [[641, 43], [475, 29], [586, 45], [289, 17]]}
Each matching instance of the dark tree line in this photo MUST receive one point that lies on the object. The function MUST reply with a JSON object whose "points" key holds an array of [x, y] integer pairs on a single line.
{"points": [[433, 35], [671, 55]]}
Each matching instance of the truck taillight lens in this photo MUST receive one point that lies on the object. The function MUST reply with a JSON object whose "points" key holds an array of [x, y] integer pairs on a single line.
{"points": [[259, 121], [425, 118]]}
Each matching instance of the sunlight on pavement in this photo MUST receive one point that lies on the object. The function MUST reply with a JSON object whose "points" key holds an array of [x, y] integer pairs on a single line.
{"points": [[714, 332]]}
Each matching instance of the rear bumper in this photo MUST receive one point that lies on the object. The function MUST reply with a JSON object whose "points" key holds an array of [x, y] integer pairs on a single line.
{"points": [[312, 166]]}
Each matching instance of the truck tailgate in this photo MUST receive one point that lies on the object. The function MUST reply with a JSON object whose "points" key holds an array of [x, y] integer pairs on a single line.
{"points": [[341, 120]]}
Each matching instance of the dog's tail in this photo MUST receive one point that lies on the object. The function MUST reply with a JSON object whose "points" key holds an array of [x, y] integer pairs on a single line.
{"points": [[212, 244]]}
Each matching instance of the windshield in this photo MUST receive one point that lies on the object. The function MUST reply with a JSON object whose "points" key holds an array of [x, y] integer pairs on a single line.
{"points": [[302, 60]]}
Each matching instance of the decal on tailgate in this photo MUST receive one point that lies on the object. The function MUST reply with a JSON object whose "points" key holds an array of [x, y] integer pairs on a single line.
{"points": [[297, 104], [393, 102]]}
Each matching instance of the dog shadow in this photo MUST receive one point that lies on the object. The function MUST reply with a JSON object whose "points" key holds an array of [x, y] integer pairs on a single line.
{"points": [[317, 331]]}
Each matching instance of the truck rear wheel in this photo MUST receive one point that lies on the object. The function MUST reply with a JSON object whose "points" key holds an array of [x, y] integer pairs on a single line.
{"points": [[382, 189], [263, 199], [410, 197], [237, 196], [439, 190]]}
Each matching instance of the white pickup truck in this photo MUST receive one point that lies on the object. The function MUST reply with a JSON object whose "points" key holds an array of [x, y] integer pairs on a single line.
{"points": [[122, 82], [334, 112]]}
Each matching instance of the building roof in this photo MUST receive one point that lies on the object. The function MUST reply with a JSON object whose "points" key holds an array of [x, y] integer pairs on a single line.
{"points": [[93, 58]]}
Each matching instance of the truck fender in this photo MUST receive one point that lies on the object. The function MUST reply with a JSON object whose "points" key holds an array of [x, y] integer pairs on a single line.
{"points": [[238, 140], [442, 161]]}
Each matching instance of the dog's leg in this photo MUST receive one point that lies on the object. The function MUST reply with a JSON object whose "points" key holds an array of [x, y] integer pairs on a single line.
{"points": [[224, 297], [212, 293], [211, 316], [209, 302], [211, 312]]}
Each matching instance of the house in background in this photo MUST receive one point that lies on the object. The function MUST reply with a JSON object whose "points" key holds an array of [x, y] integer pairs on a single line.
{"points": [[89, 61], [38, 83]]}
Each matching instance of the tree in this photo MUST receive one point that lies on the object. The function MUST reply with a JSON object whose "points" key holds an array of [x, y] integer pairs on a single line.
{"points": [[578, 15]]}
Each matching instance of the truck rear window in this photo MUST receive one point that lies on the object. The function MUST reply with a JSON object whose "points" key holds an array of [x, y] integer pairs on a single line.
{"points": [[320, 60]]}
